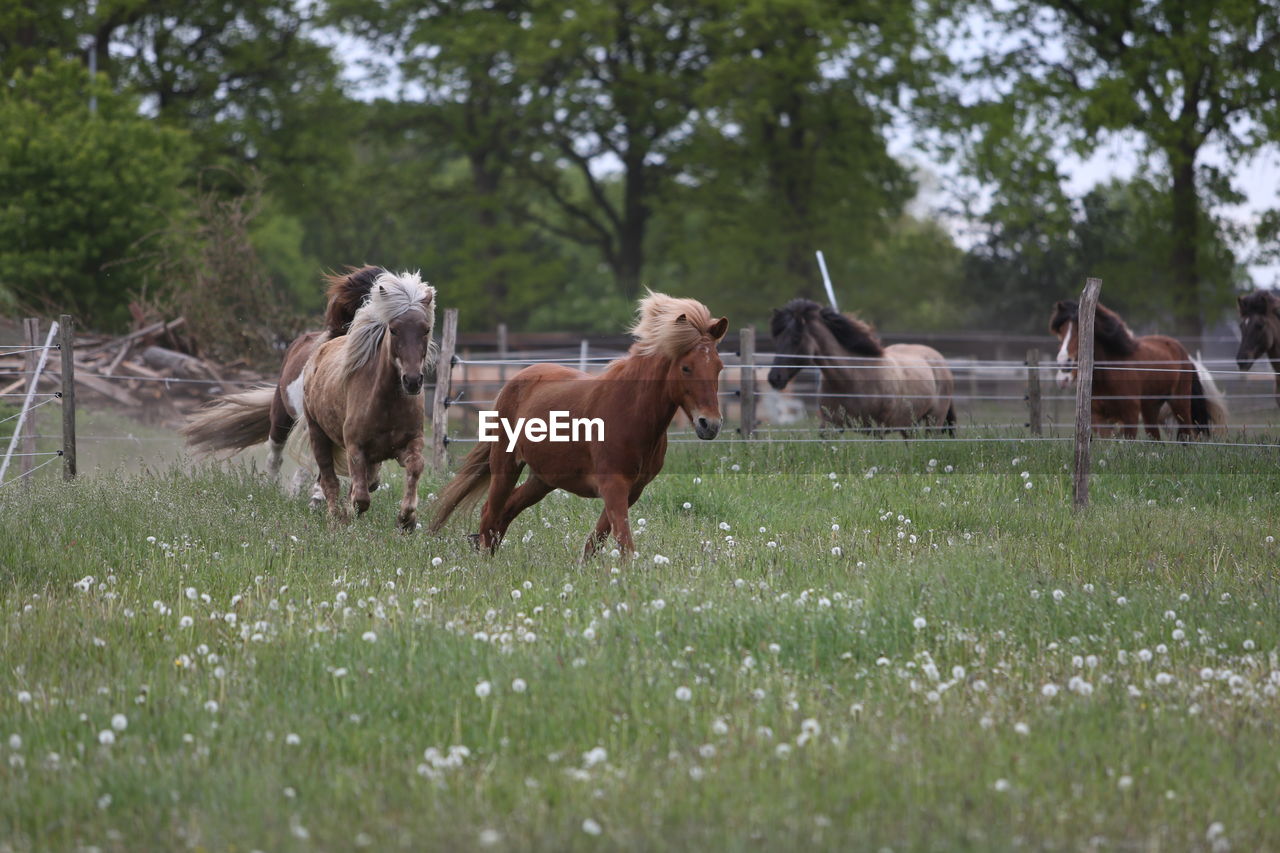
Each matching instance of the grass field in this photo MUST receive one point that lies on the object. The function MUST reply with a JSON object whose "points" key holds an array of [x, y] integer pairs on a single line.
{"points": [[882, 645]]}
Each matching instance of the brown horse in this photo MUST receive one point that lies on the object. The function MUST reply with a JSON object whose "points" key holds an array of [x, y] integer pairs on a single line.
{"points": [[1136, 376], [1260, 331], [234, 422], [863, 383], [673, 365], [362, 394]]}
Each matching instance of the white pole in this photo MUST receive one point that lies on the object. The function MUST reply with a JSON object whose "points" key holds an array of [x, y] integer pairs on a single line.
{"points": [[826, 280], [26, 403]]}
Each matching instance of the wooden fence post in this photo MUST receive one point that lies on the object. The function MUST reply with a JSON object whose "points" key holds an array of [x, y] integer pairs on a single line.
{"points": [[67, 341], [31, 328], [440, 404], [502, 356], [1084, 389], [747, 380], [1033, 390]]}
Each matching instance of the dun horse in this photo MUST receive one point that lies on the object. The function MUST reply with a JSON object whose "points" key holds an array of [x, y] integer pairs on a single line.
{"points": [[673, 366], [361, 394], [235, 422], [863, 383], [1260, 331], [1135, 376]]}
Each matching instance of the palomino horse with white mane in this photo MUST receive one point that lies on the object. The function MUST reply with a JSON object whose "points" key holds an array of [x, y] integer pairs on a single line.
{"points": [[673, 366], [1137, 376], [361, 394], [863, 382], [235, 422], [1260, 331]]}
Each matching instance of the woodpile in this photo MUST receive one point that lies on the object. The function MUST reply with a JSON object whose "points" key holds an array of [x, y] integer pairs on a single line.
{"points": [[151, 370]]}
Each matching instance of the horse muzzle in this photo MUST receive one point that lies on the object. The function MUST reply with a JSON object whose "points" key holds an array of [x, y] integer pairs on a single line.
{"points": [[1244, 363], [1063, 378], [412, 385], [706, 428], [777, 379]]}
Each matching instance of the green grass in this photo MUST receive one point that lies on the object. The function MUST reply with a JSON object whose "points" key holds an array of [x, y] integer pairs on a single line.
{"points": [[818, 713]]}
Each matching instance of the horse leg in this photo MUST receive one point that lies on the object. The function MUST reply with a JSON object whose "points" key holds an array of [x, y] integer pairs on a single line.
{"points": [[597, 537], [1151, 417], [411, 460], [359, 470], [375, 479], [1130, 411], [616, 491], [502, 483], [281, 424], [322, 450], [529, 493]]}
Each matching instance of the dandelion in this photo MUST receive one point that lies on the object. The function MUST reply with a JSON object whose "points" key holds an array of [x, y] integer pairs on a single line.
{"points": [[369, 637], [1124, 783], [1058, 595], [836, 551], [660, 560], [483, 689], [696, 773], [518, 685], [1028, 485], [436, 561], [590, 827], [292, 739], [119, 722], [774, 648], [919, 623], [1049, 691], [707, 750], [683, 694], [1144, 655], [1002, 785], [1022, 729], [594, 756], [1122, 601], [15, 742], [686, 505], [106, 737], [211, 706], [489, 837], [1164, 678], [720, 727], [24, 697]]}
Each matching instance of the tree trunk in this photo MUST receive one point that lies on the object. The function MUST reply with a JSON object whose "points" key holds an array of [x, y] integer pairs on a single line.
{"points": [[635, 219], [1185, 254]]}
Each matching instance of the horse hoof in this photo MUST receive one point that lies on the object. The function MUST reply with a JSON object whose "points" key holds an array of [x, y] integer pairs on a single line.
{"points": [[474, 539], [408, 523]]}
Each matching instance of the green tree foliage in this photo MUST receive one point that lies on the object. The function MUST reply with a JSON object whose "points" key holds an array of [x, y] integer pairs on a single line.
{"points": [[1180, 76], [79, 191]]}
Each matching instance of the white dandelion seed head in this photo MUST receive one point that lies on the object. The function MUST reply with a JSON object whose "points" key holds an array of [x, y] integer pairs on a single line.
{"points": [[591, 827], [919, 623], [684, 694], [483, 689], [106, 737], [518, 685], [119, 722]]}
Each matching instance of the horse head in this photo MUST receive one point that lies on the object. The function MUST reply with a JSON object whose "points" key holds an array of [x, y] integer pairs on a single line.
{"points": [[1259, 326], [410, 343], [794, 348], [695, 379], [1063, 326]]}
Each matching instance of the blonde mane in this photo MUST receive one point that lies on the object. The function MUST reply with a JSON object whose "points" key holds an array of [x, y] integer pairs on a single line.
{"points": [[390, 296], [657, 331]]}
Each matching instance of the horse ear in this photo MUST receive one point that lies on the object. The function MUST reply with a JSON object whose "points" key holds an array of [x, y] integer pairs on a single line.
{"points": [[718, 328], [683, 318], [382, 290]]}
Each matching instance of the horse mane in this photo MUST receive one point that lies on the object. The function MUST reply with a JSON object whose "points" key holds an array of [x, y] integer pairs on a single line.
{"points": [[390, 296], [1109, 330], [855, 335], [669, 326], [1259, 303], [345, 294]]}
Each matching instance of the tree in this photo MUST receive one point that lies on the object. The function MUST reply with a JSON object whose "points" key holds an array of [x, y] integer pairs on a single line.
{"points": [[79, 191], [1180, 76]]}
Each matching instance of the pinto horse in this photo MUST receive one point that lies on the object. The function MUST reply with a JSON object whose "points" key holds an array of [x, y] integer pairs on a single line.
{"points": [[1260, 331], [673, 366], [863, 383], [362, 394], [235, 422], [1135, 376]]}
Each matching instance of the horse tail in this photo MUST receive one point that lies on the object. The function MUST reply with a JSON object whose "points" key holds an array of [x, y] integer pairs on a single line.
{"points": [[232, 422], [1208, 405], [347, 292], [950, 419], [465, 488]]}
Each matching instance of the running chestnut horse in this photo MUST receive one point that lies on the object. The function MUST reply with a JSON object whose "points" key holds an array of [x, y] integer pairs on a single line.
{"points": [[1260, 331], [235, 422], [362, 394], [672, 366], [1136, 376], [863, 383]]}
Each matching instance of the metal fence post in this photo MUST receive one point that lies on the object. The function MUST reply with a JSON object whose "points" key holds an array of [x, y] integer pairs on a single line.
{"points": [[67, 340], [747, 379], [1033, 390], [440, 403]]}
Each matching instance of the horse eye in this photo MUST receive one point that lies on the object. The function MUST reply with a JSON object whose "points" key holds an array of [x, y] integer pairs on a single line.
{"points": [[394, 332], [686, 369]]}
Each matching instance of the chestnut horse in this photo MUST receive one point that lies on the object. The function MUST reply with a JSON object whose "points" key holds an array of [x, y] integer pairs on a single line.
{"points": [[234, 422], [1161, 373], [863, 383], [672, 366], [362, 394], [1260, 331]]}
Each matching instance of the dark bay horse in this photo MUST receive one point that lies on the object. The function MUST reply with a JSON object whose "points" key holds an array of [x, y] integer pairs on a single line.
{"points": [[234, 422], [1136, 376], [362, 394], [863, 383], [1260, 331], [673, 366]]}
